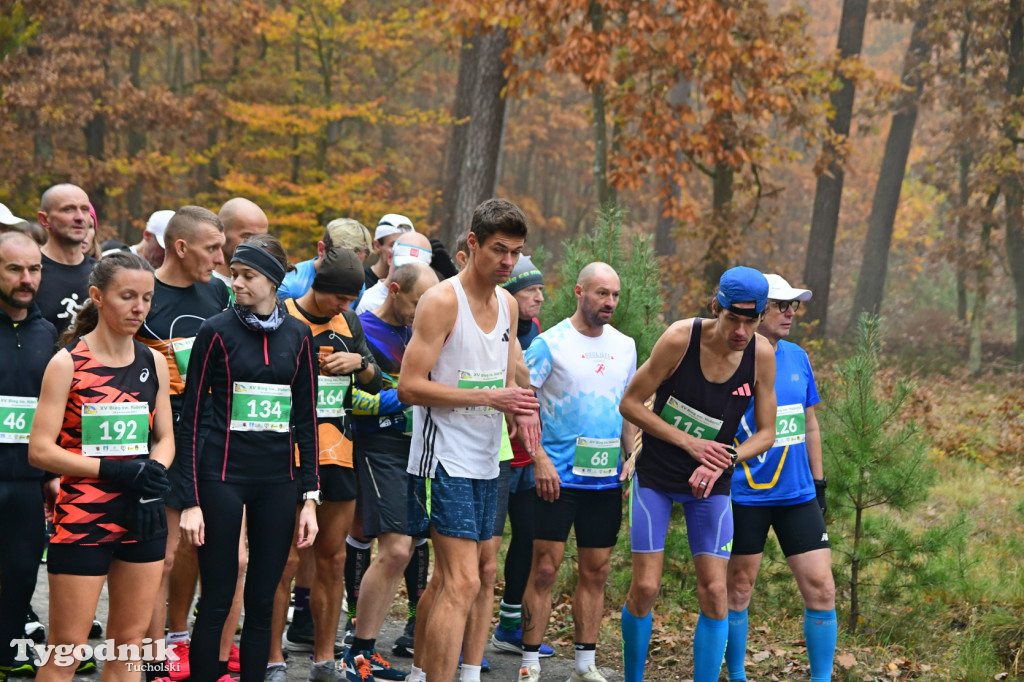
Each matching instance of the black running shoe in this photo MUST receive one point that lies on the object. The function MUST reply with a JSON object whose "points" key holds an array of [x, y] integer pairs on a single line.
{"points": [[404, 644]]}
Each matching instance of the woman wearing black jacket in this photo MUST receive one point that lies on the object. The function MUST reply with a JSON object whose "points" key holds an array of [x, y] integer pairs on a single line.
{"points": [[252, 374]]}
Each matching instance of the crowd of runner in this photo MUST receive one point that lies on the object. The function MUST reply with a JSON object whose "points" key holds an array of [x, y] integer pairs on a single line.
{"points": [[195, 414]]}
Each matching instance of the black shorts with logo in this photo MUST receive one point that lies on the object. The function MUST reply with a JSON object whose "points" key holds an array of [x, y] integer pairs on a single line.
{"points": [[800, 528], [595, 514]]}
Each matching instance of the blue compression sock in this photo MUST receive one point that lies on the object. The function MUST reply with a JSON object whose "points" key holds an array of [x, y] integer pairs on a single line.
{"points": [[820, 628], [736, 649], [636, 637], [709, 648]]}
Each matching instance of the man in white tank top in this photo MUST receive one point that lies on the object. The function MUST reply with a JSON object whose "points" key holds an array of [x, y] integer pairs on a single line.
{"points": [[458, 373]]}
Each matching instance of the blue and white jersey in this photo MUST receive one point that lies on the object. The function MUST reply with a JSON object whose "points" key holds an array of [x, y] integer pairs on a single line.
{"points": [[782, 475], [580, 381]]}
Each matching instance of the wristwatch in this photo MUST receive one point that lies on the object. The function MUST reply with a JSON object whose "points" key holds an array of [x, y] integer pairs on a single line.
{"points": [[364, 364], [314, 495], [732, 455]]}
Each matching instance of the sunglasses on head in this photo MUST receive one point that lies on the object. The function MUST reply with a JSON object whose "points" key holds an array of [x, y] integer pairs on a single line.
{"points": [[784, 306]]}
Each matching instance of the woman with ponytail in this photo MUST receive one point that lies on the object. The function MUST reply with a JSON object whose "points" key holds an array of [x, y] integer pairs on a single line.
{"points": [[103, 422], [252, 375]]}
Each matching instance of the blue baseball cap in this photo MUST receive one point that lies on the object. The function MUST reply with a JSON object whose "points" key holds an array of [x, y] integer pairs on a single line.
{"points": [[741, 285]]}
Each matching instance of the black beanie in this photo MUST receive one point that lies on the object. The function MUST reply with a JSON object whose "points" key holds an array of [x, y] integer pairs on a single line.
{"points": [[340, 272]]}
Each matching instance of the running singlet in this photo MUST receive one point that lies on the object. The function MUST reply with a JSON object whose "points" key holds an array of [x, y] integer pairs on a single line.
{"points": [[705, 410], [580, 381], [383, 411], [465, 439], [173, 322], [334, 393], [117, 405], [781, 476]]}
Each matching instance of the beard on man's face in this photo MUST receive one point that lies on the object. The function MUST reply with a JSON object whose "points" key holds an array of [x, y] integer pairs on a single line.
{"points": [[9, 299]]}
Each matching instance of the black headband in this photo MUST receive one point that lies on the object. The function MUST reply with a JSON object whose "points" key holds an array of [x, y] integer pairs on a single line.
{"points": [[259, 260]]}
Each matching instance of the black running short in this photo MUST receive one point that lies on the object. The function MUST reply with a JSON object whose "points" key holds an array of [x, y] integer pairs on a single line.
{"points": [[800, 528], [69, 559], [595, 514], [338, 483]]}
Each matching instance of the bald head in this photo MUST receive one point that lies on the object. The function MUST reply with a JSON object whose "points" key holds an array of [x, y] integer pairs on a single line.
{"points": [[242, 219], [595, 269], [62, 192], [597, 295], [16, 238], [413, 239]]}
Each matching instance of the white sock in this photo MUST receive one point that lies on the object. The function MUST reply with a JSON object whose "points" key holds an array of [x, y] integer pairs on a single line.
{"points": [[531, 658], [470, 673], [585, 659], [175, 637], [358, 545], [416, 675]]}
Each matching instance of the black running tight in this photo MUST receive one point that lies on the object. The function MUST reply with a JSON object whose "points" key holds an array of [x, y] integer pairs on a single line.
{"points": [[520, 547], [270, 517], [22, 528]]}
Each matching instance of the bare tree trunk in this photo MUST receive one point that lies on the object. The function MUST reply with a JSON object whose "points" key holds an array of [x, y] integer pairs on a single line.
{"points": [[443, 211], [481, 161], [717, 259], [664, 239], [829, 191], [1013, 191], [606, 194], [874, 267], [136, 138]]}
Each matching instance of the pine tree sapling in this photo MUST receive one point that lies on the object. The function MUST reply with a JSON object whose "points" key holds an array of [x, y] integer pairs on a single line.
{"points": [[876, 461], [640, 302]]}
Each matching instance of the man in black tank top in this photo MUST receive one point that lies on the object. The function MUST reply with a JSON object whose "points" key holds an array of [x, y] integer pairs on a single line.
{"points": [[703, 374]]}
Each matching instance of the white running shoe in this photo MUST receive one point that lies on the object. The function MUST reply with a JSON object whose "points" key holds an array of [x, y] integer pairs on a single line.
{"points": [[592, 675]]}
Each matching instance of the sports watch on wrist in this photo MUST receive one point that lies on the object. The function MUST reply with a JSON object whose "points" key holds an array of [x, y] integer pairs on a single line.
{"points": [[364, 363], [314, 495]]}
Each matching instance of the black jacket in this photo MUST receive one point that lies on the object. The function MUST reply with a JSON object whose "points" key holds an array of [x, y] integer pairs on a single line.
{"points": [[25, 349], [226, 352]]}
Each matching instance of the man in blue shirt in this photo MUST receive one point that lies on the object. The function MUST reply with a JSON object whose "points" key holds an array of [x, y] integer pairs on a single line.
{"points": [[580, 369], [344, 233], [784, 488]]}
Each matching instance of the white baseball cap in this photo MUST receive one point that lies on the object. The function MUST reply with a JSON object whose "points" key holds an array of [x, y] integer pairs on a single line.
{"points": [[8, 218], [779, 290], [392, 223], [157, 225]]}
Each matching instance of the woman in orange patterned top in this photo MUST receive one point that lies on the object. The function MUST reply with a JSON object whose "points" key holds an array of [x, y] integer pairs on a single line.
{"points": [[104, 424]]}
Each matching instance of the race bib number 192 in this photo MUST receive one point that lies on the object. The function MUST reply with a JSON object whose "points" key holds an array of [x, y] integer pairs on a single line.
{"points": [[115, 429]]}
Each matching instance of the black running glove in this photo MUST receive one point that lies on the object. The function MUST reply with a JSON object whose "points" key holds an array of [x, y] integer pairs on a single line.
{"points": [[149, 519], [441, 260], [147, 477], [819, 491]]}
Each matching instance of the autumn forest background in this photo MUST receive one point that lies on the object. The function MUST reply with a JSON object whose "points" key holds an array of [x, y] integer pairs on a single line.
{"points": [[870, 151]]}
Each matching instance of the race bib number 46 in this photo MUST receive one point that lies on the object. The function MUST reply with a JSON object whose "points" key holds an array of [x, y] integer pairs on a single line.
{"points": [[260, 407], [115, 429], [16, 414], [789, 425], [693, 422], [485, 378], [330, 396], [597, 457]]}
